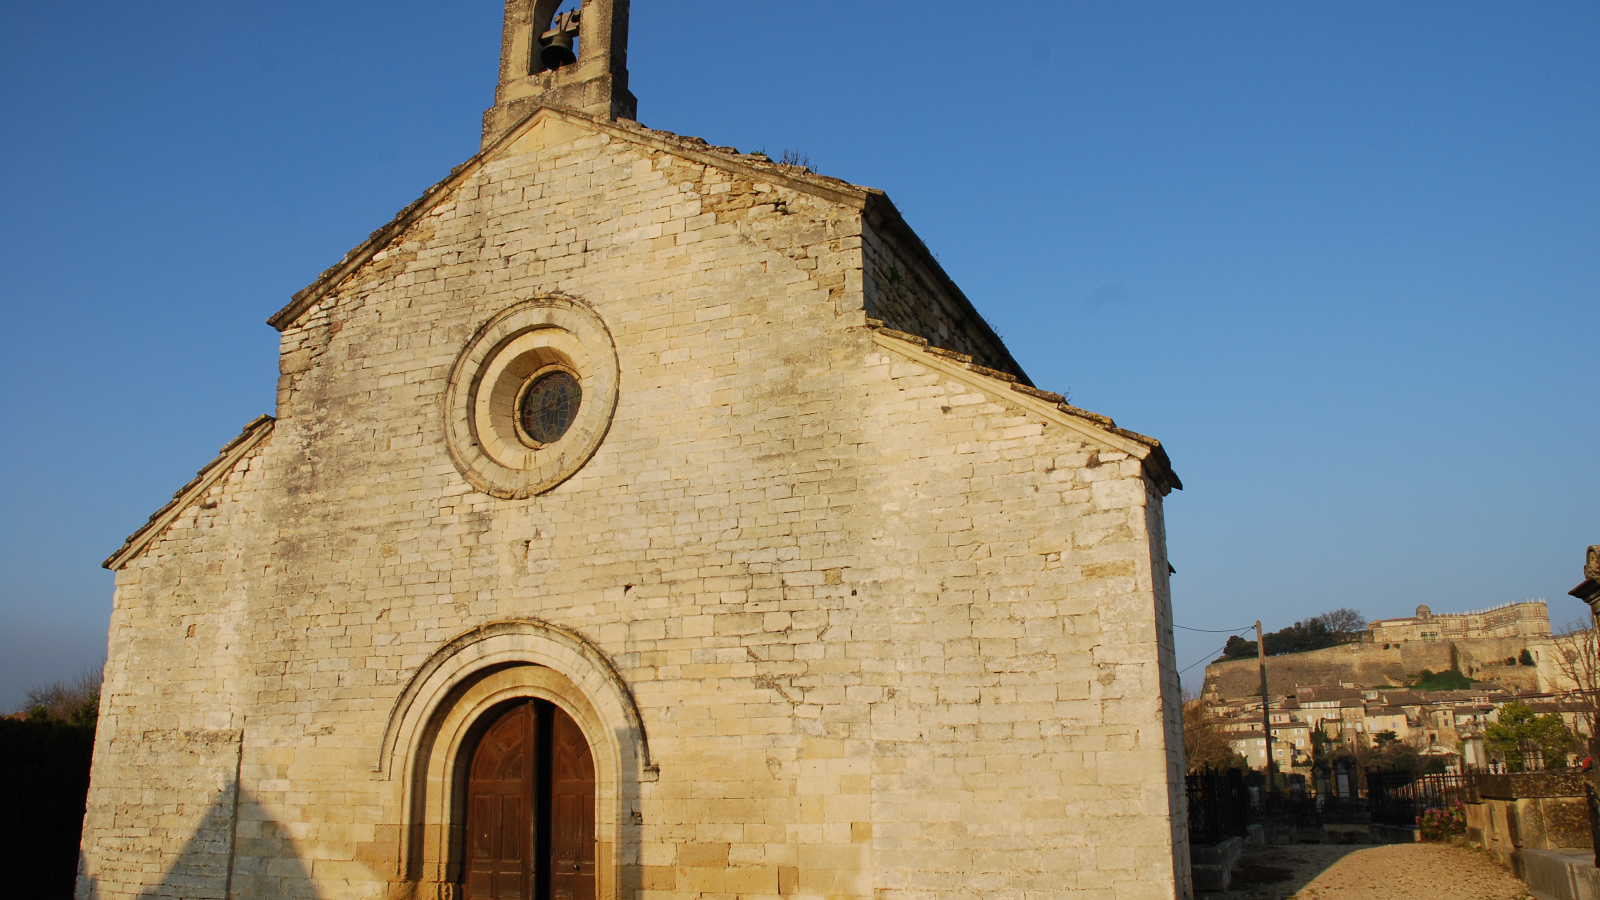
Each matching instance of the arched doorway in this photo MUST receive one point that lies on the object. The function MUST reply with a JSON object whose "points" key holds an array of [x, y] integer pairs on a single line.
{"points": [[530, 807], [439, 719]]}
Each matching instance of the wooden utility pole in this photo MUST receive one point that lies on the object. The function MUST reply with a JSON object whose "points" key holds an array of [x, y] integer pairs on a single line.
{"points": [[1266, 714]]}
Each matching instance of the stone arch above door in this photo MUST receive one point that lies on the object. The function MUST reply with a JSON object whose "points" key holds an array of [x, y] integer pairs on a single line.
{"points": [[432, 728], [525, 641]]}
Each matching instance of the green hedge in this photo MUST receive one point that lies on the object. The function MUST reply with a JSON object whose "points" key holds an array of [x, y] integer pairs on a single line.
{"points": [[44, 784]]}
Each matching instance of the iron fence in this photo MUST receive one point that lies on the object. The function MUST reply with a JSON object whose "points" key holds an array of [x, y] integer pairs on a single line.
{"points": [[1309, 805], [1391, 798], [1219, 805], [1331, 804], [1400, 798], [1223, 802], [1441, 790]]}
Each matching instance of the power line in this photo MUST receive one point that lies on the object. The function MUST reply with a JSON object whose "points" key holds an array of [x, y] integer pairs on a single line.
{"points": [[1204, 658], [1214, 652]]}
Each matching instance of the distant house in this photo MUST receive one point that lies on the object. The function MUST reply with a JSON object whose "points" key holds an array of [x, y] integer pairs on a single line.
{"points": [[1378, 719], [1291, 746]]}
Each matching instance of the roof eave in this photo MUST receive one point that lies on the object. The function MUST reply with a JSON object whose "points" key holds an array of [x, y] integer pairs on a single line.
{"points": [[882, 213], [1148, 450], [214, 471]]}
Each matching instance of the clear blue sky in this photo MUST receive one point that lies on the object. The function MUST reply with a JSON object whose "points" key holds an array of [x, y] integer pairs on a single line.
{"points": [[1344, 259]]}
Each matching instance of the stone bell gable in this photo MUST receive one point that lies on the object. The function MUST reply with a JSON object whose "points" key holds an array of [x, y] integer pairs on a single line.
{"points": [[821, 596]]}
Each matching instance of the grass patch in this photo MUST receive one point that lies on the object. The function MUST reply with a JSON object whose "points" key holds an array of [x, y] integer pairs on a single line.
{"points": [[1452, 680]]}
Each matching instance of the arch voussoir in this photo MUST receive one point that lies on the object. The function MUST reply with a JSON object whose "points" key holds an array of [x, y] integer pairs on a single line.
{"points": [[431, 726], [522, 641]]}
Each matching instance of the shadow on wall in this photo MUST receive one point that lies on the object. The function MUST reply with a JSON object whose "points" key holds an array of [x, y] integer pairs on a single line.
{"points": [[237, 850]]}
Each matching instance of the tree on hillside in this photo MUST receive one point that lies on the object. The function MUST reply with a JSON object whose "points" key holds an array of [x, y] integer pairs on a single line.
{"points": [[1521, 731], [1389, 753], [1450, 680], [1316, 633], [1344, 620], [1238, 648]]}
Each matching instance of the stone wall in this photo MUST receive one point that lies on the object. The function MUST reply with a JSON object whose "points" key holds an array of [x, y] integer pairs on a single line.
{"points": [[1530, 811], [161, 813], [905, 287], [1529, 619], [1371, 664], [890, 629], [161, 821]]}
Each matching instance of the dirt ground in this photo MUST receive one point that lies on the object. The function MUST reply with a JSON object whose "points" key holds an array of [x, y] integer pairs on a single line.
{"points": [[1352, 872]]}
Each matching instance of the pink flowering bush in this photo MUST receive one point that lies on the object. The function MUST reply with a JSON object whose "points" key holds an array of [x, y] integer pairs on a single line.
{"points": [[1441, 824]]}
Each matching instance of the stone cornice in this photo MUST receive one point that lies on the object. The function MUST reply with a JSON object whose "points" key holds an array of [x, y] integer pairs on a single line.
{"points": [[1589, 590], [213, 472]]}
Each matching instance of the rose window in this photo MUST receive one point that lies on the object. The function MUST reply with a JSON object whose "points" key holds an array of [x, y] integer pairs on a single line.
{"points": [[549, 406]]}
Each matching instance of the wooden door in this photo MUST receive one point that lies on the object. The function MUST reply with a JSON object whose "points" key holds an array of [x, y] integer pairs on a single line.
{"points": [[530, 809], [572, 847], [500, 795]]}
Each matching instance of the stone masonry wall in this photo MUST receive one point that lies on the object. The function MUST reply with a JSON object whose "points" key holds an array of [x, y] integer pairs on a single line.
{"points": [[1372, 665], [160, 820], [1171, 689], [890, 634], [907, 291]]}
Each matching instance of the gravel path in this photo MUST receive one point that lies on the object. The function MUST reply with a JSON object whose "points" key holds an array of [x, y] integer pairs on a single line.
{"points": [[1335, 872]]}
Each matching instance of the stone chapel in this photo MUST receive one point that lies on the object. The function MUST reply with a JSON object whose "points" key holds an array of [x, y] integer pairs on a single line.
{"points": [[644, 519]]}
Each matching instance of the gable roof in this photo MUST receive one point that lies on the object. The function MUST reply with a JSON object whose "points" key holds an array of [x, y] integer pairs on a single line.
{"points": [[1051, 406], [1325, 693], [210, 474], [875, 205], [1403, 697]]}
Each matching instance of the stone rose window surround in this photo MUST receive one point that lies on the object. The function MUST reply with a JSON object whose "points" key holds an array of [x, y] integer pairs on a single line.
{"points": [[549, 341]]}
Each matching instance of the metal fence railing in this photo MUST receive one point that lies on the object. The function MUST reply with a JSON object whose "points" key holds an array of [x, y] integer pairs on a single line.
{"points": [[1223, 802], [1391, 797], [1438, 791], [1219, 805], [1399, 798]]}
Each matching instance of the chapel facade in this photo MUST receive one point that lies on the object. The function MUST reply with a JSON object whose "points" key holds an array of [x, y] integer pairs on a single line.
{"points": [[643, 519]]}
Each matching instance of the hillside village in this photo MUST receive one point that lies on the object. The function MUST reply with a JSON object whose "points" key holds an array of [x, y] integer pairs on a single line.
{"points": [[1432, 683]]}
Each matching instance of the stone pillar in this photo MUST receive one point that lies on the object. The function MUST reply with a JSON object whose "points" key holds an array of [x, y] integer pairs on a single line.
{"points": [[1589, 592]]}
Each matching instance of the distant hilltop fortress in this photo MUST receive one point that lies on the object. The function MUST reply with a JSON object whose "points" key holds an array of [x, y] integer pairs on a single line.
{"points": [[1528, 619], [1487, 645]]}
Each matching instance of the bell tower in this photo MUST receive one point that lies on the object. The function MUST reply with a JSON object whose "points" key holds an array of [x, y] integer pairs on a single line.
{"points": [[578, 59]]}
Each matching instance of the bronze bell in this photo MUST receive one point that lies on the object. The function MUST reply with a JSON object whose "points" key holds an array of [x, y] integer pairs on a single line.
{"points": [[558, 52]]}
